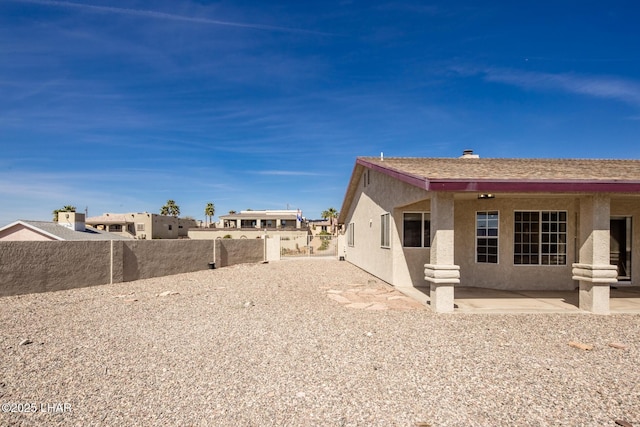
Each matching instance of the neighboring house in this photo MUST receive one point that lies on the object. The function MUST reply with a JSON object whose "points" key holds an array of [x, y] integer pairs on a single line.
{"points": [[70, 226], [288, 225], [265, 219], [143, 225], [318, 226], [543, 224]]}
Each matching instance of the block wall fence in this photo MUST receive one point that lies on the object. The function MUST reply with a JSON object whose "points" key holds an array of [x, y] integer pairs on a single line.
{"points": [[30, 267]]}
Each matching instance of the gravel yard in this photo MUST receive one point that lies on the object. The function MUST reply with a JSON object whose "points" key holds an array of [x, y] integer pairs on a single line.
{"points": [[268, 344]]}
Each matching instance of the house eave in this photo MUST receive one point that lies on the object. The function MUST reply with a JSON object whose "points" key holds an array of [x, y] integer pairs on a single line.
{"points": [[507, 185], [531, 186]]}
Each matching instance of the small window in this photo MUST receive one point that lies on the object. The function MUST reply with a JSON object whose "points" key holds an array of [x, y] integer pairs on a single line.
{"points": [[170, 227], [351, 234], [416, 230], [487, 237], [366, 178], [385, 232], [140, 227]]}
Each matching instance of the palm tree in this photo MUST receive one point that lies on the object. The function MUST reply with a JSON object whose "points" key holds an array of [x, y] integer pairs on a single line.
{"points": [[170, 209], [209, 211], [66, 208], [330, 214]]}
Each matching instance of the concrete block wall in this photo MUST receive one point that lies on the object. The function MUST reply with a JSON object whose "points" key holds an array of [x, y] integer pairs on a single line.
{"points": [[30, 267], [144, 259], [236, 251]]}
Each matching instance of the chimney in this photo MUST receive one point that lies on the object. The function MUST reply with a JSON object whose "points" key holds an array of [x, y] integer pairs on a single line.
{"points": [[72, 220], [468, 154]]}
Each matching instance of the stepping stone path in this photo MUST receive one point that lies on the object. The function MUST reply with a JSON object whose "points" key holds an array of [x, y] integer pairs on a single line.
{"points": [[380, 297]]}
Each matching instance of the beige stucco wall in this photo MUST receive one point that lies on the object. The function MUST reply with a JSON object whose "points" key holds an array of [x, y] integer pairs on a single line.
{"points": [[28, 267], [161, 223], [409, 262], [244, 233], [382, 195], [144, 259], [236, 251], [506, 275]]}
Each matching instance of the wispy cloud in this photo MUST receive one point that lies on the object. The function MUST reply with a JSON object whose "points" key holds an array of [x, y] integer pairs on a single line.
{"points": [[286, 173], [169, 16], [606, 87]]}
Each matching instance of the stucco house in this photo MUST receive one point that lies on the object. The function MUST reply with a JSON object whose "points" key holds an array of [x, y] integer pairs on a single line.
{"points": [[143, 225], [288, 219], [70, 226], [288, 224], [520, 224]]}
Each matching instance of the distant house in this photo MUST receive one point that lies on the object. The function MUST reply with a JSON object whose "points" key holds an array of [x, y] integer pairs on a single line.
{"points": [[264, 219], [288, 224], [544, 224], [70, 226], [320, 226], [328, 225], [143, 225]]}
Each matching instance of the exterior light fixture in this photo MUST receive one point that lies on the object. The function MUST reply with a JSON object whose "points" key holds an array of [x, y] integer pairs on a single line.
{"points": [[486, 196]]}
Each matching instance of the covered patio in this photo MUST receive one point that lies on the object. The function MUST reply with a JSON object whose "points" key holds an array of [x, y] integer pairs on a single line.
{"points": [[623, 300]]}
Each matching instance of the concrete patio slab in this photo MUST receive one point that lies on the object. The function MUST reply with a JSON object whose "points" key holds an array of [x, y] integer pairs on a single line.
{"points": [[482, 300]]}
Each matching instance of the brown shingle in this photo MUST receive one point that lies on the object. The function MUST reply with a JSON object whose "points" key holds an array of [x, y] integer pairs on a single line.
{"points": [[513, 169]]}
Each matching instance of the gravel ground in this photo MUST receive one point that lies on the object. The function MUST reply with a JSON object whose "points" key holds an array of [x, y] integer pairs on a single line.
{"points": [[264, 345]]}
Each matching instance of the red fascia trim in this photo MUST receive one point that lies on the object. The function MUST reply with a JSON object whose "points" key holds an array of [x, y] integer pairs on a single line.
{"points": [[535, 186]]}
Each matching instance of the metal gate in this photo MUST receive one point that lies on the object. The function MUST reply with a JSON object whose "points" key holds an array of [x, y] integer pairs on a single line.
{"points": [[320, 245]]}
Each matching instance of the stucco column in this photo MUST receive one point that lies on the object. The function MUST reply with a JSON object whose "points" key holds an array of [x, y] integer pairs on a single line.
{"points": [[441, 272], [594, 271], [258, 223]]}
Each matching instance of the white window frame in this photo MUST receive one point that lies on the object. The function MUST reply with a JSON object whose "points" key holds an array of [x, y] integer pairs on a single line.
{"points": [[488, 237], [540, 254], [422, 229], [351, 234], [385, 230]]}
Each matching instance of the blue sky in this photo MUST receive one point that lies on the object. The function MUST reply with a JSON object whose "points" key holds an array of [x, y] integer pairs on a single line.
{"points": [[118, 106]]}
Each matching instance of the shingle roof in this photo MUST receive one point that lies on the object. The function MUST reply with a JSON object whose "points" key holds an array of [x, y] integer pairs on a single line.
{"points": [[513, 169], [503, 175], [64, 233]]}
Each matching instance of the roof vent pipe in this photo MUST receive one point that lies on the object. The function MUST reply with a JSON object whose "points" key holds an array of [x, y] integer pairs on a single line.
{"points": [[468, 154]]}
